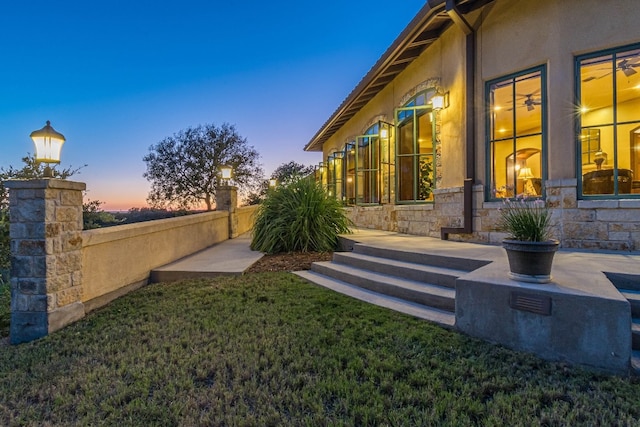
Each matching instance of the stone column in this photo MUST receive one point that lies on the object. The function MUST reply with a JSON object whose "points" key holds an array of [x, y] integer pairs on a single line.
{"points": [[46, 256], [227, 200]]}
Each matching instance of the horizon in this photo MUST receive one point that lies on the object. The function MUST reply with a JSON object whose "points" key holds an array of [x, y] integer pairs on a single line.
{"points": [[115, 79]]}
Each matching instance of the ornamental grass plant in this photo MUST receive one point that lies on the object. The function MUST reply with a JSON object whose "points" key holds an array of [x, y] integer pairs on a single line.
{"points": [[299, 216], [525, 220]]}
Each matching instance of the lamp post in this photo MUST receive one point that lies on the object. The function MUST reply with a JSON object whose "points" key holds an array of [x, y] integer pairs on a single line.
{"points": [[48, 145], [226, 172], [273, 182]]}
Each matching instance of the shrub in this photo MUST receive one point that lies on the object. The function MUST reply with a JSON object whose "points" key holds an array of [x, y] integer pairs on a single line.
{"points": [[525, 220], [299, 217]]}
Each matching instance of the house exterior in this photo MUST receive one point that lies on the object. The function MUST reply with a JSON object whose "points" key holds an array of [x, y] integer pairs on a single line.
{"points": [[477, 101]]}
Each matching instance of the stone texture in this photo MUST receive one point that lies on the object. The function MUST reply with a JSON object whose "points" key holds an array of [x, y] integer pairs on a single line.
{"points": [[46, 244], [584, 224]]}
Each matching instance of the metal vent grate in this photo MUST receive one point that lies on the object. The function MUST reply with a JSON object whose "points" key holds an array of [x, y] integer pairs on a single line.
{"points": [[532, 303]]}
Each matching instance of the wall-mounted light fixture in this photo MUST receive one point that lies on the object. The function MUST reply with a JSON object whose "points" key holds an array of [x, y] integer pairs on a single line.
{"points": [[440, 100], [48, 145]]}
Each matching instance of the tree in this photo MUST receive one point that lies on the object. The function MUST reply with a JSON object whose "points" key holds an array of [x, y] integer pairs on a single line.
{"points": [[289, 172], [284, 174], [184, 169], [93, 216]]}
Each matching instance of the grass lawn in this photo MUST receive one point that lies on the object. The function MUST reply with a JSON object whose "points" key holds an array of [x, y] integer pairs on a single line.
{"points": [[270, 349]]}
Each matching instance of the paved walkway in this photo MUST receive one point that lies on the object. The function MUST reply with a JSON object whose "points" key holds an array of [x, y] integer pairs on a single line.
{"points": [[234, 256], [229, 257]]}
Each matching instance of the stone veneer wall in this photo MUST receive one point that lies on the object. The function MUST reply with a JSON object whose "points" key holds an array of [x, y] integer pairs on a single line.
{"points": [[580, 224], [46, 256]]}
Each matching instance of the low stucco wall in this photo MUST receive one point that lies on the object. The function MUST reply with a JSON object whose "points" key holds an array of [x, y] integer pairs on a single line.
{"points": [[246, 218], [119, 257]]}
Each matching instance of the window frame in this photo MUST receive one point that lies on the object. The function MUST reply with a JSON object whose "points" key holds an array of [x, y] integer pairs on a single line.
{"points": [[544, 132], [426, 108], [615, 124]]}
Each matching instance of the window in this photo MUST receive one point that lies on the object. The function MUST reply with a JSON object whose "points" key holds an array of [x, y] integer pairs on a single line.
{"points": [[608, 103], [367, 166], [415, 150], [516, 134], [334, 174]]}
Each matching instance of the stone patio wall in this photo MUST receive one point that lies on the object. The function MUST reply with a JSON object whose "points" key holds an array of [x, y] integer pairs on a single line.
{"points": [[579, 224]]}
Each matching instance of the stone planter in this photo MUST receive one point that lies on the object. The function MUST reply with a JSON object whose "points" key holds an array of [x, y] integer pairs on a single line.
{"points": [[530, 261]]}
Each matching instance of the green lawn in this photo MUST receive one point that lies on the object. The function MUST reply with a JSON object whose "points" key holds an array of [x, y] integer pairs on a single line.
{"points": [[270, 349]]}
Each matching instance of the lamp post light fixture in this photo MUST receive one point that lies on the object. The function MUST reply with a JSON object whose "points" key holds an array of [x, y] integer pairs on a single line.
{"points": [[48, 145], [226, 172], [273, 183]]}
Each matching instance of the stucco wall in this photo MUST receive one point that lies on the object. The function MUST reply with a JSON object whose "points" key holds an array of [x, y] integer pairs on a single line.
{"points": [[121, 256], [246, 218], [441, 60], [517, 34]]}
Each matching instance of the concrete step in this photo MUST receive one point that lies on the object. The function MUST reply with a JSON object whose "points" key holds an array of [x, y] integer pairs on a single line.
{"points": [[439, 297], [440, 317], [419, 272], [634, 301], [635, 363], [635, 333], [463, 264], [623, 281]]}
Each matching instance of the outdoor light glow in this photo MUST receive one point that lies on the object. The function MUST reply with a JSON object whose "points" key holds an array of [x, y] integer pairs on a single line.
{"points": [[48, 144], [497, 108], [226, 172], [437, 102], [272, 182], [583, 109]]}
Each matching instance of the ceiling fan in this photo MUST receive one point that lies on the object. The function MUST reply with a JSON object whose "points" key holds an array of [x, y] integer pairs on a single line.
{"points": [[528, 101], [627, 66]]}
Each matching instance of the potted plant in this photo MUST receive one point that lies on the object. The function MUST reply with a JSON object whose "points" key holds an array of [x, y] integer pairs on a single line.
{"points": [[529, 245]]}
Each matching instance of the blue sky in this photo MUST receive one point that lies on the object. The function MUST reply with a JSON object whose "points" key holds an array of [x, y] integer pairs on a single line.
{"points": [[116, 77]]}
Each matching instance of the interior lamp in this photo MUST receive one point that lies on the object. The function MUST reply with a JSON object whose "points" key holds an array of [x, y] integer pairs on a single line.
{"points": [[525, 173], [48, 144]]}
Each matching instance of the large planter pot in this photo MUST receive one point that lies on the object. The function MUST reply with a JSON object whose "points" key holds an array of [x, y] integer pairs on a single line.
{"points": [[530, 261]]}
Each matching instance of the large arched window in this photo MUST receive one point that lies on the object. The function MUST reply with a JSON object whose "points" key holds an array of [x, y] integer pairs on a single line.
{"points": [[415, 150]]}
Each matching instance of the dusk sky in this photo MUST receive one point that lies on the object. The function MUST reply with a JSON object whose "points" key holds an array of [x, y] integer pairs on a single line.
{"points": [[116, 77]]}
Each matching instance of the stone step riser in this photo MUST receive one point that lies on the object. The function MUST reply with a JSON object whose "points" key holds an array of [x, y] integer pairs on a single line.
{"points": [[635, 308], [635, 340], [421, 258], [379, 286], [379, 266], [624, 281]]}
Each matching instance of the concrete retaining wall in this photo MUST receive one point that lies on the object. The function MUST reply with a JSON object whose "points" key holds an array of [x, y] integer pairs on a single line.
{"points": [[246, 218], [121, 257]]}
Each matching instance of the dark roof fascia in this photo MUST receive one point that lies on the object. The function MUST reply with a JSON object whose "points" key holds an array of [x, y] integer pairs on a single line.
{"points": [[428, 11]]}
